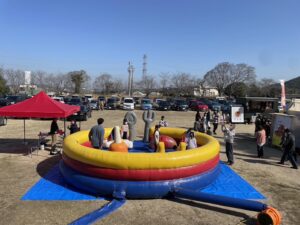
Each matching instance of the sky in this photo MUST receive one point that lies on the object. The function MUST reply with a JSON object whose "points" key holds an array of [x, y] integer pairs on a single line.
{"points": [[190, 36]]}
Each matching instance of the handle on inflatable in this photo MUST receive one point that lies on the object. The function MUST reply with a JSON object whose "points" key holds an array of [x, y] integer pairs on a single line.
{"points": [[161, 147], [181, 146]]}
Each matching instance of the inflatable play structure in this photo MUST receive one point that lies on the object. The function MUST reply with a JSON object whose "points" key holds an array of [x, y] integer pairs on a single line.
{"points": [[116, 172]]}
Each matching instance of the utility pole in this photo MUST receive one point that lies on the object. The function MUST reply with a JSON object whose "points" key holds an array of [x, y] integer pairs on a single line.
{"points": [[145, 65], [130, 78]]}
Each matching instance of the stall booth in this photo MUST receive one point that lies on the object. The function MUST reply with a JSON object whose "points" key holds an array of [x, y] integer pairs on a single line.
{"points": [[280, 122], [41, 106], [294, 110]]}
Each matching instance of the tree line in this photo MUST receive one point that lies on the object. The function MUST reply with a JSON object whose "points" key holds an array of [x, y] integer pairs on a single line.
{"points": [[229, 79]]}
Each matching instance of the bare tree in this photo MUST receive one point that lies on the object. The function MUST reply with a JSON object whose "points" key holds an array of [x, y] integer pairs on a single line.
{"points": [[268, 87], [118, 85], [39, 78], [14, 79], [242, 73], [226, 73], [104, 83], [147, 84], [78, 78], [164, 80], [183, 83]]}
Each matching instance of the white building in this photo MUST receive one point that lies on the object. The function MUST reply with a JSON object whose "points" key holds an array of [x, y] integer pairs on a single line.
{"points": [[206, 91]]}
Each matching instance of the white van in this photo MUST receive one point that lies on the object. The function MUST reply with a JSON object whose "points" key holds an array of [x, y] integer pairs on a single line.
{"points": [[89, 97], [128, 104]]}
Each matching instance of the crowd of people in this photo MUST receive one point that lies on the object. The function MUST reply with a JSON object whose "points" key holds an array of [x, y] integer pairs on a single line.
{"points": [[202, 124]]}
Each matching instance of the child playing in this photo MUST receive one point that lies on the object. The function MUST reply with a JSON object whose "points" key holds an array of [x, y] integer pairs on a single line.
{"points": [[191, 141], [162, 122], [156, 137], [124, 129]]}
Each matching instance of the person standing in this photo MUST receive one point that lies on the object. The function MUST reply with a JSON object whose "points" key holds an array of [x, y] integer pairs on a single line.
{"points": [[53, 132], [288, 145], [268, 130], [197, 116], [202, 122], [162, 122], [215, 121], [96, 134], [260, 141], [125, 130], [207, 118], [156, 137], [197, 126], [229, 134], [73, 127]]}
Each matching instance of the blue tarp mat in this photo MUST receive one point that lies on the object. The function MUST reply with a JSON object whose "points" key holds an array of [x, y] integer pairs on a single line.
{"points": [[53, 187], [230, 184]]}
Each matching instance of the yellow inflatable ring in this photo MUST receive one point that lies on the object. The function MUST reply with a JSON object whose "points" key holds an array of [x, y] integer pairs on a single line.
{"points": [[118, 160]]}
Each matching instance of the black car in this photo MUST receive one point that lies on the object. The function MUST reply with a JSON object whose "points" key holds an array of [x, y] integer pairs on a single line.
{"points": [[75, 101], [13, 99], [180, 105], [111, 103], [4, 102], [82, 115], [164, 106]]}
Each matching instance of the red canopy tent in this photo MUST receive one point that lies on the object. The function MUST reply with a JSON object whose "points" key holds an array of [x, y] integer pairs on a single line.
{"points": [[39, 106]]}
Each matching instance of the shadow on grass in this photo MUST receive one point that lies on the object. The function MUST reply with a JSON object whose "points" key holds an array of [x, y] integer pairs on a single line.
{"points": [[16, 145]]}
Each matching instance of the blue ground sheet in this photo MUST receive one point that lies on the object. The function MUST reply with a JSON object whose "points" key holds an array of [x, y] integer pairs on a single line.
{"points": [[53, 187]]}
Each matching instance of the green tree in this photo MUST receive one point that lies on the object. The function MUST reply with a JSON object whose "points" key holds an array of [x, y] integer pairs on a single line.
{"points": [[78, 78], [238, 89]]}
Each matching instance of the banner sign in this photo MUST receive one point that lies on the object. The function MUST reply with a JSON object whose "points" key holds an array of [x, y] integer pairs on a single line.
{"points": [[237, 114]]}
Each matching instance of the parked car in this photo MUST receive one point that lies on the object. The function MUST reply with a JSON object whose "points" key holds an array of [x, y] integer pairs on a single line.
{"points": [[75, 101], [146, 104], [59, 99], [156, 103], [13, 99], [82, 115], [215, 106], [94, 104], [164, 106], [128, 104], [4, 102], [198, 105], [89, 97], [137, 100], [180, 105], [111, 103], [212, 105]]}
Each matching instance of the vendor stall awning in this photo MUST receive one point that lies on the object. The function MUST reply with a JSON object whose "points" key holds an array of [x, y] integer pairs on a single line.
{"points": [[39, 106]]}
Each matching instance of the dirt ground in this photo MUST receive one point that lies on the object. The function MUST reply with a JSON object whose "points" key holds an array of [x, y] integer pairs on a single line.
{"points": [[18, 172]]}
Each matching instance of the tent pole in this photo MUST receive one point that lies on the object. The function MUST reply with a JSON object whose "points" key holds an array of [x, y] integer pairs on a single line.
{"points": [[24, 132], [64, 127]]}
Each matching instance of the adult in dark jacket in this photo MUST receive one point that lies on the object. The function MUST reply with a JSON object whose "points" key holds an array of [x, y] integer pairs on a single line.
{"points": [[73, 127], [288, 145], [96, 135], [197, 116], [53, 132]]}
